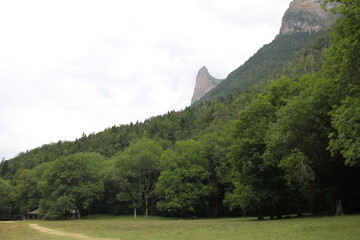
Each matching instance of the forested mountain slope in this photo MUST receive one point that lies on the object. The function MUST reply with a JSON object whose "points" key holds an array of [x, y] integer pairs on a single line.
{"points": [[287, 145], [261, 66], [302, 22]]}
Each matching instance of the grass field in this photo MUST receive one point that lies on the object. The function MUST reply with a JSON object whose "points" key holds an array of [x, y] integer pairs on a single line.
{"points": [[157, 228]]}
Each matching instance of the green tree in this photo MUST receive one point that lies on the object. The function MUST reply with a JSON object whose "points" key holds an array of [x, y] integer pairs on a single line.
{"points": [[343, 61], [343, 65], [112, 186], [130, 194], [299, 139], [71, 183], [259, 183], [26, 194], [346, 139], [251, 173], [138, 168], [5, 199], [298, 174], [184, 181], [5, 169], [215, 147]]}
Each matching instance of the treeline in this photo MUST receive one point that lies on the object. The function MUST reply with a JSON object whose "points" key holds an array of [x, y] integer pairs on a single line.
{"points": [[171, 127], [290, 146]]}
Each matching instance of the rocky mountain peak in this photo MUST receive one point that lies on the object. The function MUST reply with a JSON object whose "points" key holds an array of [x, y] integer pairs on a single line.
{"points": [[301, 16], [204, 83], [203, 70], [306, 16]]}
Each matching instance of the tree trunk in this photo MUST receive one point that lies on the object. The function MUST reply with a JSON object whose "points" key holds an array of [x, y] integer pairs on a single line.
{"points": [[244, 213], [298, 205], [134, 212], [146, 191], [339, 209], [215, 207], [146, 206]]}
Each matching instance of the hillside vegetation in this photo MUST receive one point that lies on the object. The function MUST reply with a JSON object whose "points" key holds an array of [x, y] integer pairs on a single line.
{"points": [[262, 65], [288, 144]]}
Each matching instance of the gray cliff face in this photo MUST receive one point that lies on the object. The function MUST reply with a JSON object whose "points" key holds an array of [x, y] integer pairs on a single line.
{"points": [[306, 16], [204, 83]]}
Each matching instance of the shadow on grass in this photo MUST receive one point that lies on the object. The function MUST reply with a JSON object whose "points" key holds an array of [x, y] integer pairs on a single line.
{"points": [[285, 218], [158, 218], [127, 218]]}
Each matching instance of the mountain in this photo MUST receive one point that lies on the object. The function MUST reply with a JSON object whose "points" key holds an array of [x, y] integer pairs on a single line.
{"points": [[304, 21], [289, 136], [306, 16], [261, 66], [204, 83], [287, 55]]}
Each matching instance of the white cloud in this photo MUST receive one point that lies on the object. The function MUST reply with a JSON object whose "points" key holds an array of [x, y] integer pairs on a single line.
{"points": [[68, 67]]}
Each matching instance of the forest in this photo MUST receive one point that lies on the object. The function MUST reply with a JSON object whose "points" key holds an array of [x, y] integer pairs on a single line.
{"points": [[287, 143]]}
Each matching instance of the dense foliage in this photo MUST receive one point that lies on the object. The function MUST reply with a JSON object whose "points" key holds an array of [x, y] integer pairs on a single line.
{"points": [[70, 183], [289, 145]]}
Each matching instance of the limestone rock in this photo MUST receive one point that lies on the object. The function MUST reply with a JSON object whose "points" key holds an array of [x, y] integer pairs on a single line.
{"points": [[204, 83], [306, 16]]}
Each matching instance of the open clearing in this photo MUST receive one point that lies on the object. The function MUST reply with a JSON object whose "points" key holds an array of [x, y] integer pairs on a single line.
{"points": [[60, 233], [157, 228]]}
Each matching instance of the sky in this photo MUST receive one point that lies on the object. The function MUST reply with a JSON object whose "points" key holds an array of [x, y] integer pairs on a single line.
{"points": [[69, 67]]}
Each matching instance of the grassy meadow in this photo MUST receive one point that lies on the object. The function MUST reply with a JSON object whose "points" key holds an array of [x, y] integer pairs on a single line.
{"points": [[157, 228]]}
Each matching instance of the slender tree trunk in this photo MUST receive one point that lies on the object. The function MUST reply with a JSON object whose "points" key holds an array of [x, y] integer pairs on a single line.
{"points": [[339, 209], [298, 204], [134, 212], [146, 206], [146, 191], [272, 212], [215, 207]]}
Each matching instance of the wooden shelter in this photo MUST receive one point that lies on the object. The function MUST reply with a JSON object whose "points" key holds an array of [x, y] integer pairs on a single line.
{"points": [[34, 214], [74, 214]]}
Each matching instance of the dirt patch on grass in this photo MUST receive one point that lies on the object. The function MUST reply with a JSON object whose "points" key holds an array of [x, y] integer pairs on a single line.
{"points": [[64, 234]]}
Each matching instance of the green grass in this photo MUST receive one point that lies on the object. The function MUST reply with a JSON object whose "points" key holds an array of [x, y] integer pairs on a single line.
{"points": [[157, 228], [21, 230]]}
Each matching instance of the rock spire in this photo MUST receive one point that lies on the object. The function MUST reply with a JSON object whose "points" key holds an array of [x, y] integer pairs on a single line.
{"points": [[204, 83]]}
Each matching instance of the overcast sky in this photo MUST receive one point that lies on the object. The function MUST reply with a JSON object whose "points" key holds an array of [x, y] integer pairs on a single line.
{"points": [[80, 66]]}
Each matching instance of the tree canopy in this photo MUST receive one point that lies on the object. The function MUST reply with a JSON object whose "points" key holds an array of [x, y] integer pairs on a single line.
{"points": [[71, 183]]}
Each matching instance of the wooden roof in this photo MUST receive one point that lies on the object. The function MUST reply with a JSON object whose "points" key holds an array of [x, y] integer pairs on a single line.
{"points": [[36, 211]]}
